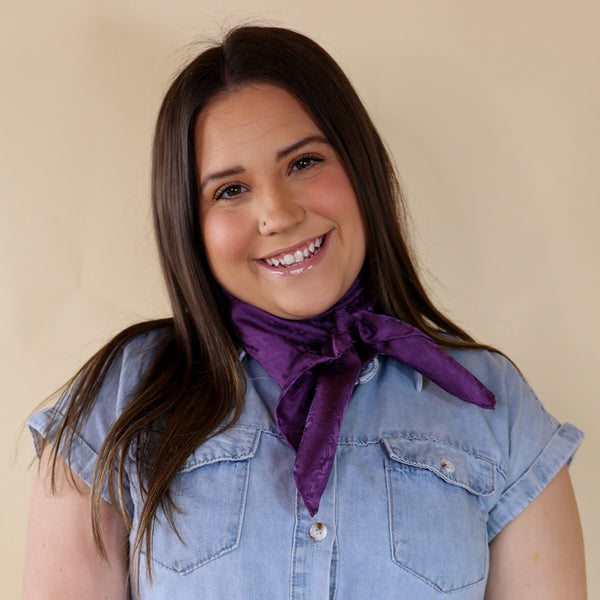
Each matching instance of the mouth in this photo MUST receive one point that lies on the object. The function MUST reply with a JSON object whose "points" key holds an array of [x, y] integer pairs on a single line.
{"points": [[287, 260]]}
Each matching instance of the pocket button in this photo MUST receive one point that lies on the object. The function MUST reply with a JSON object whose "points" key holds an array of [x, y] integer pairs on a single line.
{"points": [[447, 465]]}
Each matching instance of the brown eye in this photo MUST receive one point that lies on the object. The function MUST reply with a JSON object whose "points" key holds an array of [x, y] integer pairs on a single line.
{"points": [[230, 191], [305, 162]]}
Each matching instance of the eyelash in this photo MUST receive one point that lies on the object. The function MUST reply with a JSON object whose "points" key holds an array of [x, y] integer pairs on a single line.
{"points": [[308, 156], [223, 190], [220, 193]]}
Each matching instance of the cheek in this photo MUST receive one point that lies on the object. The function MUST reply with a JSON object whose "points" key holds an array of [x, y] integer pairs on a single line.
{"points": [[338, 202], [226, 239], [336, 189]]}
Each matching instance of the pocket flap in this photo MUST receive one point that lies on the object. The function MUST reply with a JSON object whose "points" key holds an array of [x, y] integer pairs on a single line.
{"points": [[238, 443], [454, 465]]}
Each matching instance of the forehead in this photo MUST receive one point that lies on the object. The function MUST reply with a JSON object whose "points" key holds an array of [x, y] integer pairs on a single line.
{"points": [[256, 116]]}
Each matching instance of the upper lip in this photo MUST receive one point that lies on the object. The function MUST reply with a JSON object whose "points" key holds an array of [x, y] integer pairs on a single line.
{"points": [[292, 249]]}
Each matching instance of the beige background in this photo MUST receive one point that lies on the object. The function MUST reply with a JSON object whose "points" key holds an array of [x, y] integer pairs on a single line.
{"points": [[490, 108]]}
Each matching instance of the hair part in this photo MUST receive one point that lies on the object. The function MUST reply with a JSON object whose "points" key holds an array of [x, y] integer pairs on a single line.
{"points": [[196, 385]]}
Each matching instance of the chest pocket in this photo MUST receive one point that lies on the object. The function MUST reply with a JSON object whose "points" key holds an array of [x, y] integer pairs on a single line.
{"points": [[438, 530], [210, 495]]}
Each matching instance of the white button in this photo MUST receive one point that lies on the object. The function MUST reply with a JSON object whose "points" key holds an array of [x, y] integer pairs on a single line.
{"points": [[447, 465], [318, 531]]}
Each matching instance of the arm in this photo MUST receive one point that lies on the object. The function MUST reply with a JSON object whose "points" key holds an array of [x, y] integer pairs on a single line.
{"points": [[540, 553], [61, 560]]}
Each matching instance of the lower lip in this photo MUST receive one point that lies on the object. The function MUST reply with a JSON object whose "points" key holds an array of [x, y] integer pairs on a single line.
{"points": [[306, 265]]}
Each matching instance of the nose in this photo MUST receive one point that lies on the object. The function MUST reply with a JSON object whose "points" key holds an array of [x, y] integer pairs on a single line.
{"points": [[279, 211]]}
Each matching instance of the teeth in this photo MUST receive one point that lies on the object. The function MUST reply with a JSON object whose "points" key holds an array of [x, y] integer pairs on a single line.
{"points": [[298, 256]]}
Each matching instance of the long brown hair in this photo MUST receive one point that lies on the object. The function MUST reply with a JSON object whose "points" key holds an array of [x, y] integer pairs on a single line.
{"points": [[196, 384]]}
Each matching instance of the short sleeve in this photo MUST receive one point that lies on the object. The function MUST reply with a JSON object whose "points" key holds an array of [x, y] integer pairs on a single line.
{"points": [[534, 447], [121, 383]]}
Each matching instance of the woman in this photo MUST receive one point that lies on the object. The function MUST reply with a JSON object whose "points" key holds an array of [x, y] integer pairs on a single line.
{"points": [[276, 438]]}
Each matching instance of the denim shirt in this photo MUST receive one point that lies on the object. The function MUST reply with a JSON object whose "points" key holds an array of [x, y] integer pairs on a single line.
{"points": [[421, 484]]}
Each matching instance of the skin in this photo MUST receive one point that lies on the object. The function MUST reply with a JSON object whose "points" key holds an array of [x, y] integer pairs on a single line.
{"points": [[270, 183], [270, 201], [540, 553], [61, 560]]}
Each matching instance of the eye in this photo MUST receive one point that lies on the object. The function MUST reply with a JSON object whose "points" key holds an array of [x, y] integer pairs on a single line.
{"points": [[305, 162], [230, 191]]}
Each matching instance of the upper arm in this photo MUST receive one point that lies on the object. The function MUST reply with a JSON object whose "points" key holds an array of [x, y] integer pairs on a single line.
{"points": [[540, 553], [61, 559]]}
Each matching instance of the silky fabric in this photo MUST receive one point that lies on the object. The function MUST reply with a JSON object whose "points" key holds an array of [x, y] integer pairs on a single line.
{"points": [[316, 362]]}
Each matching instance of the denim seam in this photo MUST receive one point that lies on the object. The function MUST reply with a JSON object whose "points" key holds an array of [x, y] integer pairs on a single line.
{"points": [[82, 460], [396, 559], [364, 378], [477, 455], [229, 458], [226, 549], [294, 551], [558, 451], [455, 482]]}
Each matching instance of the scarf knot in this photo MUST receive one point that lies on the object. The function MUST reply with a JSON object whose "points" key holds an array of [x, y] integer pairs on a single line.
{"points": [[338, 345], [343, 336]]}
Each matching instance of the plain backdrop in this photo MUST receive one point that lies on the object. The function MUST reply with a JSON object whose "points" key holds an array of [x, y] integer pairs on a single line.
{"points": [[491, 110]]}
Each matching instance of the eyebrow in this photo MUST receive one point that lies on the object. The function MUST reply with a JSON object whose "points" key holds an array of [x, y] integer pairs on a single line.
{"points": [[237, 170], [303, 142], [220, 175]]}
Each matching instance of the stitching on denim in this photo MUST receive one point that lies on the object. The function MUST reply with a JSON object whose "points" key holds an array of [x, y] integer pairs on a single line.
{"points": [[465, 483], [232, 546], [294, 551], [396, 559], [412, 438], [248, 454], [335, 549], [363, 378], [373, 442]]}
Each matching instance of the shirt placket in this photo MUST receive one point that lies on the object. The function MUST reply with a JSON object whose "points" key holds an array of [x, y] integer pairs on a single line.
{"points": [[314, 552]]}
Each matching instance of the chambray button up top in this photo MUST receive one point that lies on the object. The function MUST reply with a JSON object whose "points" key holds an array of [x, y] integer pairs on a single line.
{"points": [[422, 482]]}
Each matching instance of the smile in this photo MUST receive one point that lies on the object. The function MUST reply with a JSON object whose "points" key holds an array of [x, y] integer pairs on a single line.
{"points": [[299, 255]]}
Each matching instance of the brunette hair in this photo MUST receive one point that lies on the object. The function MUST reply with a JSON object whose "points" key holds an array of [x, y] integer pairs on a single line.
{"points": [[196, 384]]}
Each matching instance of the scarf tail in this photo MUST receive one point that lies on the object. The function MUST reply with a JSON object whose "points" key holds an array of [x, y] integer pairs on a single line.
{"points": [[318, 446]]}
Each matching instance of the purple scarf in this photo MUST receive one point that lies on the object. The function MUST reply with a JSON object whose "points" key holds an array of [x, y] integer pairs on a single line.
{"points": [[316, 362]]}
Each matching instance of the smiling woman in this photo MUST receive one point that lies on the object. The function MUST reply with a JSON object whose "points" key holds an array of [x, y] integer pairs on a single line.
{"points": [[307, 424], [285, 235]]}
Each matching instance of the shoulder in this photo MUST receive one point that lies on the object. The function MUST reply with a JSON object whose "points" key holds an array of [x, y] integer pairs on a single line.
{"points": [[138, 354], [122, 366], [491, 368], [509, 454], [530, 445], [518, 410], [519, 422], [79, 422], [129, 368], [514, 396], [102, 389]]}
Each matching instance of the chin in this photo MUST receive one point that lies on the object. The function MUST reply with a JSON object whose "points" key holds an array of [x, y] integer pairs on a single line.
{"points": [[298, 312]]}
